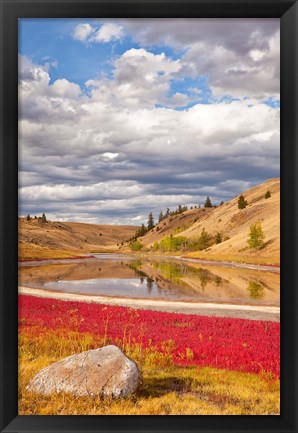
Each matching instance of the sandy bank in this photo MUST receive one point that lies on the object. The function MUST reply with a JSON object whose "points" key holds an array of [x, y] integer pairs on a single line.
{"points": [[258, 312]]}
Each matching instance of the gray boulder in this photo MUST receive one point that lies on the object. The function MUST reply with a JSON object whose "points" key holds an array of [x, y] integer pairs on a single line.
{"points": [[101, 372]]}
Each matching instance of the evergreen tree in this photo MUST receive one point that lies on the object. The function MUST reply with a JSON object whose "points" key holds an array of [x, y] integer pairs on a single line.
{"points": [[204, 240], [256, 236], [208, 202], [141, 231], [167, 212], [218, 238], [268, 194], [161, 217], [221, 203], [28, 217], [43, 218], [150, 223], [242, 203]]}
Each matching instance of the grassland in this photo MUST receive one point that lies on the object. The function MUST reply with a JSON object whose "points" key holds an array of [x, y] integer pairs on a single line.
{"points": [[55, 240], [176, 355], [169, 386], [38, 239], [233, 226], [166, 389]]}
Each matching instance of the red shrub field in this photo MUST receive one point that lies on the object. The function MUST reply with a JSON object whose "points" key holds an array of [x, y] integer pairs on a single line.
{"points": [[235, 344]]}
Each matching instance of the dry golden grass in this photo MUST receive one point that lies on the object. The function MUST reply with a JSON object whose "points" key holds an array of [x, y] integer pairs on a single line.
{"points": [[233, 224], [61, 240], [165, 390]]}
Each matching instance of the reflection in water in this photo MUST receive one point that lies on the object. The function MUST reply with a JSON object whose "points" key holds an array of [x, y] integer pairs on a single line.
{"points": [[256, 291], [116, 275], [218, 281], [203, 275], [126, 287], [150, 285]]}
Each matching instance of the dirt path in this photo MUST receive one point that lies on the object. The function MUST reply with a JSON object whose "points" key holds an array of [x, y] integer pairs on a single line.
{"points": [[253, 312]]}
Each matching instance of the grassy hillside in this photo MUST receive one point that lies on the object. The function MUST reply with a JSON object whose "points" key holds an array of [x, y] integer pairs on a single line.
{"points": [[233, 226], [39, 239], [48, 239]]}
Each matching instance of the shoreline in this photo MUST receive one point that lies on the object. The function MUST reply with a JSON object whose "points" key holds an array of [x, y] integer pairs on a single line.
{"points": [[253, 266], [267, 313], [226, 264], [56, 258]]}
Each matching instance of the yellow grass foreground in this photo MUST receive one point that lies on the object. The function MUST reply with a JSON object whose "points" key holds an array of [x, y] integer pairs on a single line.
{"points": [[166, 389]]}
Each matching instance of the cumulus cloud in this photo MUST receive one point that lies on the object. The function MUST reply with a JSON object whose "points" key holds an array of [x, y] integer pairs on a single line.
{"points": [[107, 33], [122, 149], [240, 35], [239, 56], [140, 78], [63, 88], [82, 32], [40, 100], [255, 74]]}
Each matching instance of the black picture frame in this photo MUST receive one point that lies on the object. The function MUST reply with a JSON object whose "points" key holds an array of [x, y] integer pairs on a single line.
{"points": [[11, 10]]}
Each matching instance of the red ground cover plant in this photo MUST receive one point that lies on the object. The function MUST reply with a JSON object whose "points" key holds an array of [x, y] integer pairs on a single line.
{"points": [[235, 344]]}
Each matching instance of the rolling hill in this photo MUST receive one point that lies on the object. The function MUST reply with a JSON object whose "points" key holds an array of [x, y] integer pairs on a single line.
{"points": [[233, 225], [39, 239], [49, 239]]}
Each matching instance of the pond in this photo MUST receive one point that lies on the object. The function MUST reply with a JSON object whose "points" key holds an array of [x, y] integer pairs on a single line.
{"points": [[158, 278]]}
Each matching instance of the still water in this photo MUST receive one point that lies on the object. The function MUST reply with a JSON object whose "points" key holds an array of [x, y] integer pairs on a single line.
{"points": [[118, 275]]}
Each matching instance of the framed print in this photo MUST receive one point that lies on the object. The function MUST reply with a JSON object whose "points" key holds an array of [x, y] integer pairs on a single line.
{"points": [[148, 216]]}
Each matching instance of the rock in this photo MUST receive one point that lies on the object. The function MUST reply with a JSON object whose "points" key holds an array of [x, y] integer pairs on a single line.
{"points": [[101, 372]]}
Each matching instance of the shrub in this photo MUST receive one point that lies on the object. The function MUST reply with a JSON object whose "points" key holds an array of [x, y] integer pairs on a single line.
{"points": [[242, 203], [256, 290], [218, 238], [256, 236], [136, 246], [155, 246], [204, 240], [171, 243], [268, 194]]}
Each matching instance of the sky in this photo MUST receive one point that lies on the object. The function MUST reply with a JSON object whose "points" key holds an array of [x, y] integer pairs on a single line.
{"points": [[121, 117]]}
